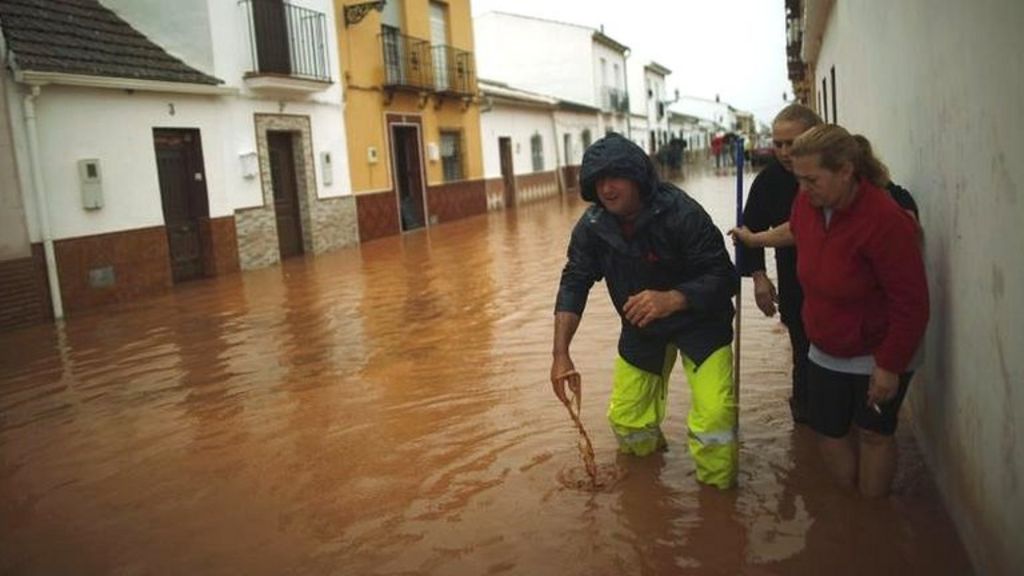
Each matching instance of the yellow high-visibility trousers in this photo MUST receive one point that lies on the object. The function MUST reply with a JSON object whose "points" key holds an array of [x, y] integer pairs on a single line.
{"points": [[637, 408]]}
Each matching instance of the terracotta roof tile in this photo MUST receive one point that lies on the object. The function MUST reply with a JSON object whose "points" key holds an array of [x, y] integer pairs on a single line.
{"points": [[84, 37]]}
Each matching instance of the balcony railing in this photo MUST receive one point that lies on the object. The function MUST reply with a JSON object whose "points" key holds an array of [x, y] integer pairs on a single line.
{"points": [[413, 64], [287, 40], [453, 70], [407, 61], [615, 99]]}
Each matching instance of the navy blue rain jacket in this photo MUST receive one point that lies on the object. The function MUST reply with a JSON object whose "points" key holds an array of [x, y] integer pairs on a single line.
{"points": [[674, 245]]}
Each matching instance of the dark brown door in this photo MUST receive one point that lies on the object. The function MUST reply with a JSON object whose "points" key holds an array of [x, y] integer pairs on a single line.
{"points": [[286, 198], [408, 177], [507, 175], [179, 160], [271, 30]]}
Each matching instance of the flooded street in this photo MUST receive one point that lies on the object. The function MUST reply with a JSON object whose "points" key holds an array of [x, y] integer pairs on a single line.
{"points": [[386, 410]]}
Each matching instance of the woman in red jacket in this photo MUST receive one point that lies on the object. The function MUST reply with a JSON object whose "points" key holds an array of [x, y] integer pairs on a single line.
{"points": [[865, 301]]}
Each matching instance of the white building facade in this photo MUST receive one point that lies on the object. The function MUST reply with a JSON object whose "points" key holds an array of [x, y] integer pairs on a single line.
{"points": [[649, 98], [722, 115], [569, 62], [139, 184], [532, 144]]}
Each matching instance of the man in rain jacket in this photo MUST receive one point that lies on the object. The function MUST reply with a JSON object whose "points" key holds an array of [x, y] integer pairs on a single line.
{"points": [[670, 278]]}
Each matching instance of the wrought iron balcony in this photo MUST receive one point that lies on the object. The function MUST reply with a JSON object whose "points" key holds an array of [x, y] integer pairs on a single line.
{"points": [[453, 71], [407, 61], [615, 99], [287, 41]]}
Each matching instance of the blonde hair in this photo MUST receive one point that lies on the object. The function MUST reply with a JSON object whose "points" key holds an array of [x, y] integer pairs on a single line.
{"points": [[835, 145], [798, 113], [867, 152]]}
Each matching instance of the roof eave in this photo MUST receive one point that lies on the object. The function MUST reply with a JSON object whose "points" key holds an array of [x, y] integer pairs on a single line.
{"points": [[510, 100], [570, 106], [658, 69], [38, 78], [601, 38]]}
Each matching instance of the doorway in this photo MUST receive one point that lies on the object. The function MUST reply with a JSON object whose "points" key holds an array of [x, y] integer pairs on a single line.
{"points": [[281, 152], [182, 177], [439, 45], [405, 152], [507, 175], [270, 27]]}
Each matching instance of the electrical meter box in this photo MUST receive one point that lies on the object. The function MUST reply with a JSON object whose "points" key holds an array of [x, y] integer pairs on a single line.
{"points": [[90, 181]]}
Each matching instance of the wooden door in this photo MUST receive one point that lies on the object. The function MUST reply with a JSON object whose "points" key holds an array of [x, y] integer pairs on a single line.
{"points": [[270, 26], [179, 160], [507, 173], [286, 198], [408, 176]]}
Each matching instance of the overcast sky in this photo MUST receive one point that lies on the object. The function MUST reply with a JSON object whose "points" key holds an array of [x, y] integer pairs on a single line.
{"points": [[735, 48]]}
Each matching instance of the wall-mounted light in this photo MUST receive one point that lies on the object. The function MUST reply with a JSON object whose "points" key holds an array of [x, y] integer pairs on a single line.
{"points": [[355, 13]]}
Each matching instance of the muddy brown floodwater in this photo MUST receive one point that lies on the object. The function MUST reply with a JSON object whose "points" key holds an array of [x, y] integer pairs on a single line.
{"points": [[386, 410]]}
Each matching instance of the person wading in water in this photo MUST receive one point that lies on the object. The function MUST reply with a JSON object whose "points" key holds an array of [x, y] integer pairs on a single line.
{"points": [[671, 280]]}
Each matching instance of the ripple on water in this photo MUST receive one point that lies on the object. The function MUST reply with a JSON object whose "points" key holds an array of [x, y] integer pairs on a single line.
{"points": [[577, 478]]}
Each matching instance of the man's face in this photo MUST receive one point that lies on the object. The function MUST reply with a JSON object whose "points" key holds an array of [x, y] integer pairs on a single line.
{"points": [[824, 188], [783, 134], [620, 196]]}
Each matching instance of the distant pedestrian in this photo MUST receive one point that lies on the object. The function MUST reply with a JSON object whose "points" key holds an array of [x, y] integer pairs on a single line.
{"points": [[716, 150]]}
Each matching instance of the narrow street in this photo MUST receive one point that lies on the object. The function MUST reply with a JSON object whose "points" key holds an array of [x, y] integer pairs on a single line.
{"points": [[386, 410]]}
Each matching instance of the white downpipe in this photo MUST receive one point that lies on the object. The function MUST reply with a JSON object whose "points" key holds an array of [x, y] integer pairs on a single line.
{"points": [[42, 206], [559, 173]]}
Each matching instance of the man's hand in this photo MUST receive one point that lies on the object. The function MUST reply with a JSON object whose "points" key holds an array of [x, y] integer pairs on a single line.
{"points": [[645, 307], [563, 373], [883, 387], [764, 293]]}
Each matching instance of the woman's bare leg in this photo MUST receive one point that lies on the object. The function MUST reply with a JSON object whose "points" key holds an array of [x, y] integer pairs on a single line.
{"points": [[840, 455], [877, 464]]}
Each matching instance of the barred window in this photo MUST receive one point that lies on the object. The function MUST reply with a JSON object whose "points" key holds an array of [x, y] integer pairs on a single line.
{"points": [[586, 138], [537, 152], [451, 155]]}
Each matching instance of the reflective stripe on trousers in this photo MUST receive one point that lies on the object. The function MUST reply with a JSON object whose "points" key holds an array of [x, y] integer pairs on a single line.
{"points": [[637, 408]]}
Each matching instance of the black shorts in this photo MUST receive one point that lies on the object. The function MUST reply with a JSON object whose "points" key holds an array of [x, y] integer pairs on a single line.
{"points": [[837, 399]]}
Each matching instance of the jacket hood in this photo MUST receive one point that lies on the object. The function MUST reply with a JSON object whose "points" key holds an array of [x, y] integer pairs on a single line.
{"points": [[616, 155]]}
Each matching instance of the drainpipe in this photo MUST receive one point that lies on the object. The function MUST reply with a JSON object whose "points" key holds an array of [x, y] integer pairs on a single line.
{"points": [[629, 105], [558, 165], [42, 207]]}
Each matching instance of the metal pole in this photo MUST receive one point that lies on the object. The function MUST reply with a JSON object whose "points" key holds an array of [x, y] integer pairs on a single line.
{"points": [[739, 288]]}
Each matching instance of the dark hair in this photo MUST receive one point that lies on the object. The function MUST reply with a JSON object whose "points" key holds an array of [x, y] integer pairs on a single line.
{"points": [[798, 113], [835, 145]]}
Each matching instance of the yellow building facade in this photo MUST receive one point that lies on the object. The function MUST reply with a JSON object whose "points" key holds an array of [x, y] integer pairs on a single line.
{"points": [[412, 114]]}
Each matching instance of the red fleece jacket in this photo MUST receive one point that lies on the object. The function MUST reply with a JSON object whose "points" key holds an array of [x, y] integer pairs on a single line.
{"points": [[865, 290]]}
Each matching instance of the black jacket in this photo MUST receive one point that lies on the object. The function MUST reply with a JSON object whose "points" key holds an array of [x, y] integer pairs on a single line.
{"points": [[674, 245], [768, 205]]}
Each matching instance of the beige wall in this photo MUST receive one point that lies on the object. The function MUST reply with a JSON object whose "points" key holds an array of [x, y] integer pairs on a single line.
{"points": [[366, 103]]}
